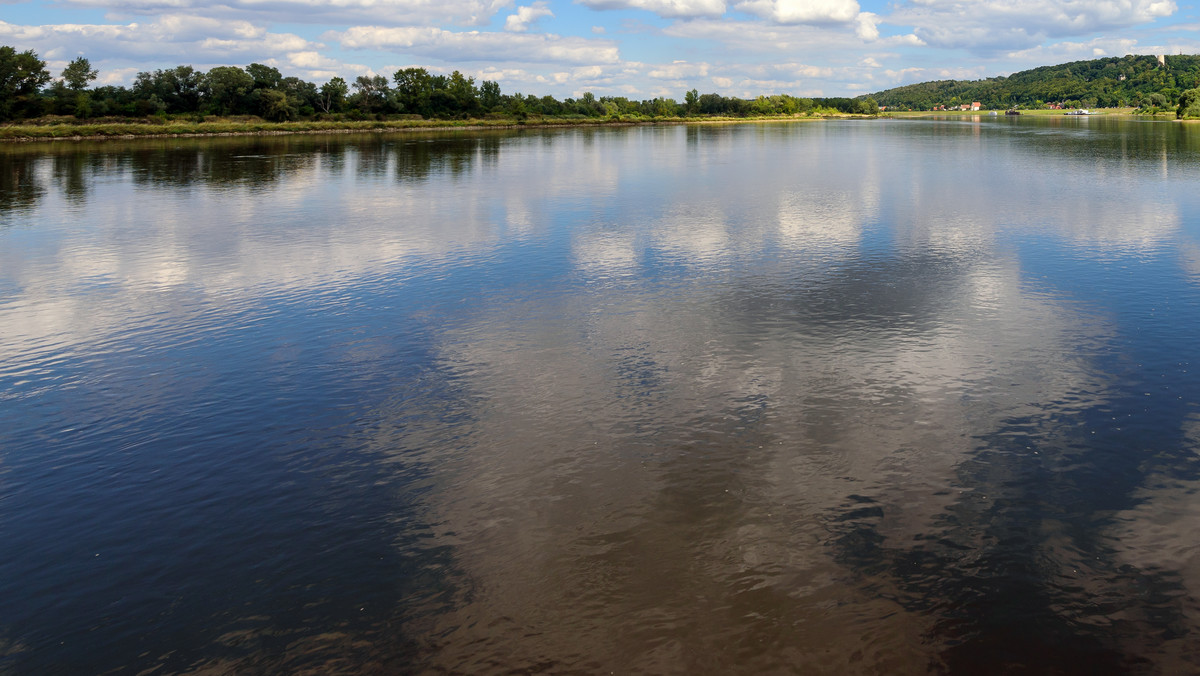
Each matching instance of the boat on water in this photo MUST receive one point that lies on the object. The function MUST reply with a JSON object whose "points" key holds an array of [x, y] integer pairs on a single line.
{"points": [[1081, 111]]}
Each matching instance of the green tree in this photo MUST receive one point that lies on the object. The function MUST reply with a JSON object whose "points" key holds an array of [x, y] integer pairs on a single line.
{"points": [[1189, 104], [414, 89], [691, 102], [333, 95], [372, 93], [226, 89], [489, 95], [78, 74], [265, 77], [178, 88], [276, 105], [22, 74], [465, 95]]}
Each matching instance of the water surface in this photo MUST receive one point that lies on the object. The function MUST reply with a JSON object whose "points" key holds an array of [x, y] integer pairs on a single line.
{"points": [[894, 396]]}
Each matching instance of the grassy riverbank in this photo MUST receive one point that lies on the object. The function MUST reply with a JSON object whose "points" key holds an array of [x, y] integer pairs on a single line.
{"points": [[70, 129]]}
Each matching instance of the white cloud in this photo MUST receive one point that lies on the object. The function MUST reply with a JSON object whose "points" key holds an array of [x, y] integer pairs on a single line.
{"points": [[177, 38], [759, 37], [663, 8], [526, 16], [866, 26], [678, 70], [1021, 24], [337, 12], [479, 46], [801, 11], [1067, 51]]}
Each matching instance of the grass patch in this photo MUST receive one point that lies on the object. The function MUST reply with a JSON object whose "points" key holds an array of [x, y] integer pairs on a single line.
{"points": [[66, 128]]}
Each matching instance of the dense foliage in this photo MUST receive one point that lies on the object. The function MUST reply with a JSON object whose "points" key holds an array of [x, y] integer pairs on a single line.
{"points": [[1138, 81], [262, 91]]}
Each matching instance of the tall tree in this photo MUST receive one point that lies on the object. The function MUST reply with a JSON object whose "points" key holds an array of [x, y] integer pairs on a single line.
{"points": [[78, 74], [226, 89], [22, 74], [489, 95], [414, 86], [333, 95], [265, 77]]}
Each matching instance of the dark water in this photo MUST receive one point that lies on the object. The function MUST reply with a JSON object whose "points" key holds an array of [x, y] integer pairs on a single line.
{"points": [[844, 397]]}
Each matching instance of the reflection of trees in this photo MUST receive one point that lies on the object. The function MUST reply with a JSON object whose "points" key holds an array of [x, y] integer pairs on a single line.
{"points": [[419, 158], [19, 186], [255, 162]]}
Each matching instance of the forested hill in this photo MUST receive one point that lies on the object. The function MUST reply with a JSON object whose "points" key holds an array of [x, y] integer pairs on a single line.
{"points": [[1104, 83]]}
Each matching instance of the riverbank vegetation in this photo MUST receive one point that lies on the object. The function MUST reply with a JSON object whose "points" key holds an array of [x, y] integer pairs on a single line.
{"points": [[259, 99]]}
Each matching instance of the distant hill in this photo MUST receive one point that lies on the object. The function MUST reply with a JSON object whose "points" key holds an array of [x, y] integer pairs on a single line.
{"points": [[1099, 83]]}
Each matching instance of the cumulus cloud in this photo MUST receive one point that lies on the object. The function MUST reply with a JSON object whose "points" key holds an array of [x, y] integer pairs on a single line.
{"points": [[866, 26], [758, 37], [663, 8], [385, 12], [178, 38], [678, 70], [526, 16], [1021, 24], [479, 46], [801, 11], [1088, 49]]}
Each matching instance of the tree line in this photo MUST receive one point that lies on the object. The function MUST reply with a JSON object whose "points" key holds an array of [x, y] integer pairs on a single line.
{"points": [[28, 91], [1136, 81]]}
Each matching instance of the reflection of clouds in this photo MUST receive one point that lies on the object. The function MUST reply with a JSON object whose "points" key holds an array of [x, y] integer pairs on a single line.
{"points": [[255, 225], [694, 233], [1132, 222], [1189, 254], [685, 455], [606, 253], [821, 219], [1160, 535]]}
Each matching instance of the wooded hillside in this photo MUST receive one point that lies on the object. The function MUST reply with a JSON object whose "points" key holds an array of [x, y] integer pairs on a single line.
{"points": [[1105, 83]]}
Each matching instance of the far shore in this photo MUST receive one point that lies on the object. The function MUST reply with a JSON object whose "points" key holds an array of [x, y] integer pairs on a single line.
{"points": [[1038, 112], [124, 130]]}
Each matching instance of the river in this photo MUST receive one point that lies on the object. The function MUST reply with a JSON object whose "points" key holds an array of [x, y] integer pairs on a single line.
{"points": [[863, 396]]}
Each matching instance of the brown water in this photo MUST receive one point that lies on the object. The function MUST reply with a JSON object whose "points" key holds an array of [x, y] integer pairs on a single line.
{"points": [[844, 397]]}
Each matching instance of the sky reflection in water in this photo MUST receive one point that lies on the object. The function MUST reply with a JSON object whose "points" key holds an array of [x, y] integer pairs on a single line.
{"points": [[886, 397]]}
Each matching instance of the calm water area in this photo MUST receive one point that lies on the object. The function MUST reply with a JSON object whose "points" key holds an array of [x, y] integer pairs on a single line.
{"points": [[842, 397]]}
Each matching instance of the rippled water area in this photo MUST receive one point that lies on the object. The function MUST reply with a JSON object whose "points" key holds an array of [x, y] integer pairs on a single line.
{"points": [[841, 397]]}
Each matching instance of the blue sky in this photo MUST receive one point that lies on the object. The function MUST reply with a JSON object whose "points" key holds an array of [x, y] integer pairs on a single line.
{"points": [[635, 48]]}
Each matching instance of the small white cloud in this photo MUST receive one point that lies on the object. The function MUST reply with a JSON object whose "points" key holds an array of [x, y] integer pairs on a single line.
{"points": [[801, 11], [526, 16], [866, 26], [679, 70], [665, 8], [598, 30], [479, 46]]}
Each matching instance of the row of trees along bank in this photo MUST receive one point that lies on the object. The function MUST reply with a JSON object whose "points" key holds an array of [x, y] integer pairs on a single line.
{"points": [[27, 91]]}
